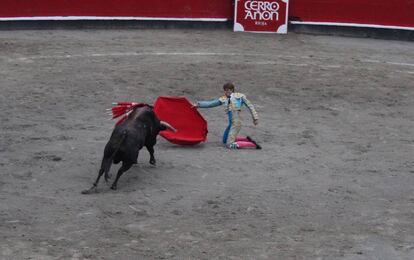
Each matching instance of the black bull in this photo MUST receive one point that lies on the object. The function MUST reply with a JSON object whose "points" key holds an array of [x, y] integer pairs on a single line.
{"points": [[138, 130]]}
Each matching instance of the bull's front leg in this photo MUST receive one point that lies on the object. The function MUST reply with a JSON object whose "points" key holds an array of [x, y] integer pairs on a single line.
{"points": [[125, 167], [150, 149]]}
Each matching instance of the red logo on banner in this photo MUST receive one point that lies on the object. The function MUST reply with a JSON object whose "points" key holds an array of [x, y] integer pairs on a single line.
{"points": [[261, 16]]}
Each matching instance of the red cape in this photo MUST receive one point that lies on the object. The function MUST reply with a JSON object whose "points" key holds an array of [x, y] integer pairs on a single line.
{"points": [[178, 112]]}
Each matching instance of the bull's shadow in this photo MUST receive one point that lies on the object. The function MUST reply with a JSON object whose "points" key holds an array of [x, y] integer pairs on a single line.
{"points": [[139, 176]]}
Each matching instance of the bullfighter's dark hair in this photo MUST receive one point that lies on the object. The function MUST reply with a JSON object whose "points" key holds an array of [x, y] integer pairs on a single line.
{"points": [[228, 85]]}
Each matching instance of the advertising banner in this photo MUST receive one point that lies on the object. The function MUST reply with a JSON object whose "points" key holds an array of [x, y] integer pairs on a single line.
{"points": [[267, 16]]}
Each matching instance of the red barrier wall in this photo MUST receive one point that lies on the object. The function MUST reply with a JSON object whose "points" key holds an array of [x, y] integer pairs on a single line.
{"points": [[118, 8], [375, 12], [367, 12]]}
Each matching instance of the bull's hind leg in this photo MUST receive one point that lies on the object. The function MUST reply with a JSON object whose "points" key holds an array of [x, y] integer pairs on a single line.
{"points": [[95, 184], [125, 167], [150, 149], [105, 167]]}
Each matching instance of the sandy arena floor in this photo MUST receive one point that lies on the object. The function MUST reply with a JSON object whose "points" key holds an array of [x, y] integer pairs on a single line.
{"points": [[335, 179]]}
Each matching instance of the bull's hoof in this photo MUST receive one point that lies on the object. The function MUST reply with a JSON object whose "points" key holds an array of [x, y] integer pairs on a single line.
{"points": [[152, 161], [113, 187]]}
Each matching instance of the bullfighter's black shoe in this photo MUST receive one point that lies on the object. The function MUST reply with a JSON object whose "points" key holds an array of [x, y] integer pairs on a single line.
{"points": [[255, 143]]}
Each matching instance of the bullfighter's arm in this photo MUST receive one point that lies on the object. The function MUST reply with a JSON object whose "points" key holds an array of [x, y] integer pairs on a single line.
{"points": [[209, 103], [251, 108]]}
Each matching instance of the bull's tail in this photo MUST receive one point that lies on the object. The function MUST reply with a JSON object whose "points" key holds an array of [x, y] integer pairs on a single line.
{"points": [[109, 154]]}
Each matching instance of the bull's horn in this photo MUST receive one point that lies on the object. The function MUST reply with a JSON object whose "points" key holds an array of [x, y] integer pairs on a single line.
{"points": [[168, 126]]}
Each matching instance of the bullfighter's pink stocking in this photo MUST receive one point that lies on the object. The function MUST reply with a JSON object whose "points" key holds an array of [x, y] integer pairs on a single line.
{"points": [[245, 144], [242, 138]]}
